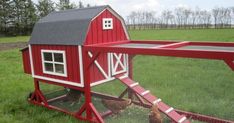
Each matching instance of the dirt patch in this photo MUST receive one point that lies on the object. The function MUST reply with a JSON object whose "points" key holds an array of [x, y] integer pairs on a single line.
{"points": [[8, 46]]}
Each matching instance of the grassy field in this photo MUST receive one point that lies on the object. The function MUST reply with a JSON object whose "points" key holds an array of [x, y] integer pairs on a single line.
{"points": [[185, 35], [202, 86], [14, 39]]}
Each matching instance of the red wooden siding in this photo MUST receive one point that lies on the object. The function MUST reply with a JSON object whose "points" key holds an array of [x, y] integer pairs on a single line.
{"points": [[97, 35], [26, 61], [95, 73], [72, 59]]}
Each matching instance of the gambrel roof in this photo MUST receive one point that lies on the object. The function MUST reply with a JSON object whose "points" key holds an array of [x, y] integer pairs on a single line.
{"points": [[67, 27]]}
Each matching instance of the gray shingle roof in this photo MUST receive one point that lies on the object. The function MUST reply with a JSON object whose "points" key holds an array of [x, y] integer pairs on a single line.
{"points": [[67, 27]]}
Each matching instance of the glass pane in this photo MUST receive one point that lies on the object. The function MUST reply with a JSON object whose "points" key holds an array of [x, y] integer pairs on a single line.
{"points": [[59, 68], [58, 57], [109, 21], [105, 21], [49, 67], [47, 56]]}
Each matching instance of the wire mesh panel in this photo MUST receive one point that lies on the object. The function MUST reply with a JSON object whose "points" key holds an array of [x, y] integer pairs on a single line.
{"points": [[72, 100]]}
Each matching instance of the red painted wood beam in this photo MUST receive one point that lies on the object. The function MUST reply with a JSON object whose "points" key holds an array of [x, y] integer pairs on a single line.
{"points": [[204, 118], [174, 45], [230, 64], [203, 54], [225, 44], [96, 114]]}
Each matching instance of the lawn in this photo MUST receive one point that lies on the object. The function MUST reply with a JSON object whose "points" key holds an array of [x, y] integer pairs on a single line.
{"points": [[202, 86], [226, 35], [14, 39]]}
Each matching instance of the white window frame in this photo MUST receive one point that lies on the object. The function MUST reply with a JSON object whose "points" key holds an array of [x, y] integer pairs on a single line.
{"points": [[106, 25], [53, 62]]}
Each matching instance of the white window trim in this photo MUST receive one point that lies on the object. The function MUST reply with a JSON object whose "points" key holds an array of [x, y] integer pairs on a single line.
{"points": [[53, 62], [107, 27]]}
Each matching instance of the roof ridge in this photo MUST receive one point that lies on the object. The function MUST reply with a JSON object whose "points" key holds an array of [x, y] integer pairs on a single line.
{"points": [[64, 20], [79, 9]]}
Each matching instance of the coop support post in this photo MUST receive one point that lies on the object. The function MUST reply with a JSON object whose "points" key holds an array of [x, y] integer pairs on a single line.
{"points": [[130, 74], [87, 84], [230, 63], [89, 108], [38, 94]]}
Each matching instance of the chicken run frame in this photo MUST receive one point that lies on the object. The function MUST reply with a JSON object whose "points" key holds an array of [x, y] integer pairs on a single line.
{"points": [[82, 48]]}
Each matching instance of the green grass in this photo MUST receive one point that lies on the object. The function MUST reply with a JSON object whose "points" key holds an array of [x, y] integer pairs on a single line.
{"points": [[188, 35], [14, 39], [202, 86]]}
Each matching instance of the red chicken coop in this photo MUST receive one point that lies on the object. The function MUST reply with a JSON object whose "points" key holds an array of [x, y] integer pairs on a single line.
{"points": [[82, 48]]}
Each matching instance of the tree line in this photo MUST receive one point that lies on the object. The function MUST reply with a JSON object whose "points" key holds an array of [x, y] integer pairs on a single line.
{"points": [[17, 17], [182, 18]]}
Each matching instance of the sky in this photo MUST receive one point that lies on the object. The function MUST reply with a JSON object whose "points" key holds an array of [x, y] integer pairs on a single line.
{"points": [[124, 7]]}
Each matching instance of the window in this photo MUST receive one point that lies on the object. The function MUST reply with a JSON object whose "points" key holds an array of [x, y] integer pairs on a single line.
{"points": [[53, 62], [107, 23]]}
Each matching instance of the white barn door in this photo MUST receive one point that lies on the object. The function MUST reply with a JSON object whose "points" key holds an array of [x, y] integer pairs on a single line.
{"points": [[119, 63]]}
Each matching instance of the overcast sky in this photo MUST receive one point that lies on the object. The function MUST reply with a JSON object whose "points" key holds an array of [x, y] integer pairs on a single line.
{"points": [[124, 7]]}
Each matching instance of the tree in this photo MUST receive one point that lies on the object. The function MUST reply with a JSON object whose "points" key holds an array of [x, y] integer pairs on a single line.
{"points": [[29, 16], [186, 13], [81, 5], [18, 9], [45, 7], [232, 15], [195, 14], [24, 13], [65, 4], [88, 5], [166, 17], [215, 13], [5, 15], [179, 16], [132, 19]]}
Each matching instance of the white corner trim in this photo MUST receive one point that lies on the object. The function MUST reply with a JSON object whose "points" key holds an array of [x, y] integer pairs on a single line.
{"points": [[109, 64], [31, 60], [122, 21], [127, 64], [81, 65], [101, 81], [59, 81]]}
